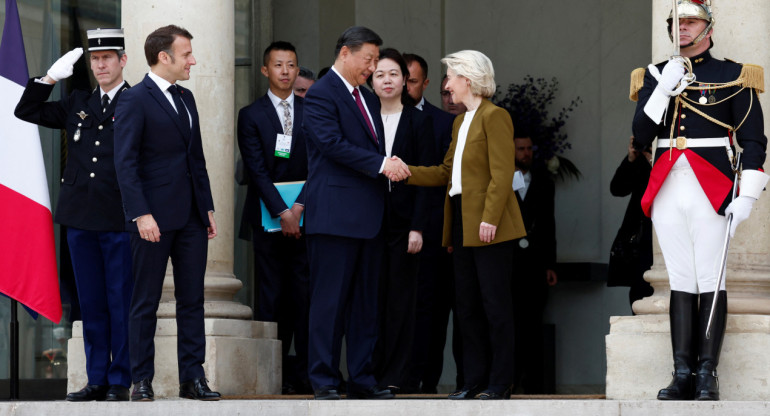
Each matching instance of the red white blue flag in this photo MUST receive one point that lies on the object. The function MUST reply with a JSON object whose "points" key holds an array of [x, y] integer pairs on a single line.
{"points": [[27, 250]]}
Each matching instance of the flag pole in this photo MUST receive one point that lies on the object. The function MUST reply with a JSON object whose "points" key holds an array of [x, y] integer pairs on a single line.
{"points": [[14, 353]]}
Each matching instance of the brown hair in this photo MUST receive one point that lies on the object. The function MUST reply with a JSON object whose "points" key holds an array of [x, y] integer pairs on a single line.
{"points": [[160, 41]]}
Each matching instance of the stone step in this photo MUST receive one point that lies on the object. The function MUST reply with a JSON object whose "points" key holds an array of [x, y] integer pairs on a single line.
{"points": [[401, 407]]}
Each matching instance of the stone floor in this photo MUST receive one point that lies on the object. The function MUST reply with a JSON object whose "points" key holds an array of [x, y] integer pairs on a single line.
{"points": [[406, 406]]}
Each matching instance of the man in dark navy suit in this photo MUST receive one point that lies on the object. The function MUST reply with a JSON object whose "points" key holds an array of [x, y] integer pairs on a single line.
{"points": [[435, 291], [273, 150], [89, 206], [345, 198], [169, 208]]}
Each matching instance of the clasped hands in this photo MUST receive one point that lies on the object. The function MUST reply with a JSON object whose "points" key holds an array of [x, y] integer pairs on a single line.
{"points": [[395, 169]]}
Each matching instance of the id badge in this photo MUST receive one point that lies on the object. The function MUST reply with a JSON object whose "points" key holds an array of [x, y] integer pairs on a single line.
{"points": [[283, 146]]}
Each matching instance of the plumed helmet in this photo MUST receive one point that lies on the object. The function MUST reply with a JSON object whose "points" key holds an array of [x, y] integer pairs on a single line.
{"points": [[693, 9]]}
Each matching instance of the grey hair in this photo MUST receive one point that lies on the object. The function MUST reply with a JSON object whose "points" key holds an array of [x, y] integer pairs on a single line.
{"points": [[476, 67]]}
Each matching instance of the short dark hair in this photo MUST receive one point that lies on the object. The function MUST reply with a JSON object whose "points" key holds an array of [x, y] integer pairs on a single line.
{"points": [[410, 57], [160, 41], [395, 56], [277, 46], [306, 73], [323, 71], [354, 38]]}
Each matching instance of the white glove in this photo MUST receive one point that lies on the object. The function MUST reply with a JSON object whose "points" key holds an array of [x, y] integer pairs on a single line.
{"points": [[741, 209], [672, 74], [62, 68]]}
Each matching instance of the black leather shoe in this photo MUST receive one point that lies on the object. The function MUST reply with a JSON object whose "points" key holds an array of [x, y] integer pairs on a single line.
{"points": [[326, 393], [465, 393], [117, 393], [493, 394], [88, 393], [197, 389], [143, 391], [372, 393]]}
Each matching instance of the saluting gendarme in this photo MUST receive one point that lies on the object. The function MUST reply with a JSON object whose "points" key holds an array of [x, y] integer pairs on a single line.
{"points": [[89, 207]]}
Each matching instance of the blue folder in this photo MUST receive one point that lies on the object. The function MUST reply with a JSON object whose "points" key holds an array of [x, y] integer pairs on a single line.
{"points": [[289, 192]]}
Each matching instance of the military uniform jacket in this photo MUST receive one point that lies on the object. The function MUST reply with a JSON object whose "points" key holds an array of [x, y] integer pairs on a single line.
{"points": [[737, 106], [90, 197]]}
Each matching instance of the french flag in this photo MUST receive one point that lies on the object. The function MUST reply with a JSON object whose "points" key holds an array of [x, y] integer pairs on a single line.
{"points": [[27, 250]]}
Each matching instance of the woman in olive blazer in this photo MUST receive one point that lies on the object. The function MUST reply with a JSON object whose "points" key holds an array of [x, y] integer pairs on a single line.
{"points": [[481, 219]]}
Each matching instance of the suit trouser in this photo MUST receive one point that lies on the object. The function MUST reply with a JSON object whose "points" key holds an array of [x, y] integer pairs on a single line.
{"points": [[397, 312], [101, 261], [344, 274], [484, 308], [187, 248], [283, 293], [435, 301], [530, 294], [690, 232]]}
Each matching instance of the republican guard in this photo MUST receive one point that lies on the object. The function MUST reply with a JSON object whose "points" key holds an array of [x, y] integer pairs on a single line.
{"points": [[698, 107]]}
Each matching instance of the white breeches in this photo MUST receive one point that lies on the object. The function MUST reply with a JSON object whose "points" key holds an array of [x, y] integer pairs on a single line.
{"points": [[691, 234]]}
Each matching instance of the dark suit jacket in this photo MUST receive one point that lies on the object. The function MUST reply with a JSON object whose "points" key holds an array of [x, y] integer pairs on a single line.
{"points": [[344, 193], [160, 163], [442, 132], [258, 125], [409, 206], [85, 202], [442, 126], [537, 211]]}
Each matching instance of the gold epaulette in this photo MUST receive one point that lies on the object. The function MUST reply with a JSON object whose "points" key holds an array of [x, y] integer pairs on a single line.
{"points": [[637, 81], [753, 76]]}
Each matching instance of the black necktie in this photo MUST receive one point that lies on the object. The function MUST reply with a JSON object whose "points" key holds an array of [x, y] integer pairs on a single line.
{"points": [[180, 108], [105, 102]]}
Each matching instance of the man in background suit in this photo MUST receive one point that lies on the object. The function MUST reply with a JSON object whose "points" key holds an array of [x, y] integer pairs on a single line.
{"points": [[534, 260], [273, 150], [345, 198], [435, 290], [89, 207], [168, 204]]}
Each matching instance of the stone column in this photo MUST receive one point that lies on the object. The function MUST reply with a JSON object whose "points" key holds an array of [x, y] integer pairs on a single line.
{"points": [[242, 356], [639, 358]]}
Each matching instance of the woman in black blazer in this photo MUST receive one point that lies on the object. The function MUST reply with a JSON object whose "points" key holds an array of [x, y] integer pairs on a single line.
{"points": [[408, 135]]}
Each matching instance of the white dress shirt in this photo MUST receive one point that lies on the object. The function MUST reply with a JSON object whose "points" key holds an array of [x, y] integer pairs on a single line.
{"points": [[279, 108], [457, 162], [163, 85], [350, 89]]}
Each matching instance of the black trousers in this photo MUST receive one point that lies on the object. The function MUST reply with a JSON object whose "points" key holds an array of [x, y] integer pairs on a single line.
{"points": [[484, 308], [530, 294], [435, 301], [283, 295], [397, 312]]}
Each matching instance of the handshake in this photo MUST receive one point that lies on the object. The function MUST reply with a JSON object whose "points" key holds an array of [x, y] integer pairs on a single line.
{"points": [[395, 169]]}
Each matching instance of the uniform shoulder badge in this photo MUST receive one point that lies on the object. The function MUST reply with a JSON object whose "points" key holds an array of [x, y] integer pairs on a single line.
{"points": [[82, 115], [637, 81]]}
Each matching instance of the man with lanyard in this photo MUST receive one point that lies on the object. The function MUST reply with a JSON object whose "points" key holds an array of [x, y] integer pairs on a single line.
{"points": [[689, 194], [90, 207]]}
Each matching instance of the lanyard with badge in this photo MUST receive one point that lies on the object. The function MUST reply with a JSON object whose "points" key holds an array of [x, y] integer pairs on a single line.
{"points": [[283, 141]]}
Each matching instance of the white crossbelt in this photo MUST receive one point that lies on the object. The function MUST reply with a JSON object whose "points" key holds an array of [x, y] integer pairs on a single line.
{"points": [[682, 143]]}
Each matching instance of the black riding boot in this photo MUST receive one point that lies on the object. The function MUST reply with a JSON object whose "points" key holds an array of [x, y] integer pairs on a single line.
{"points": [[683, 313], [706, 380]]}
